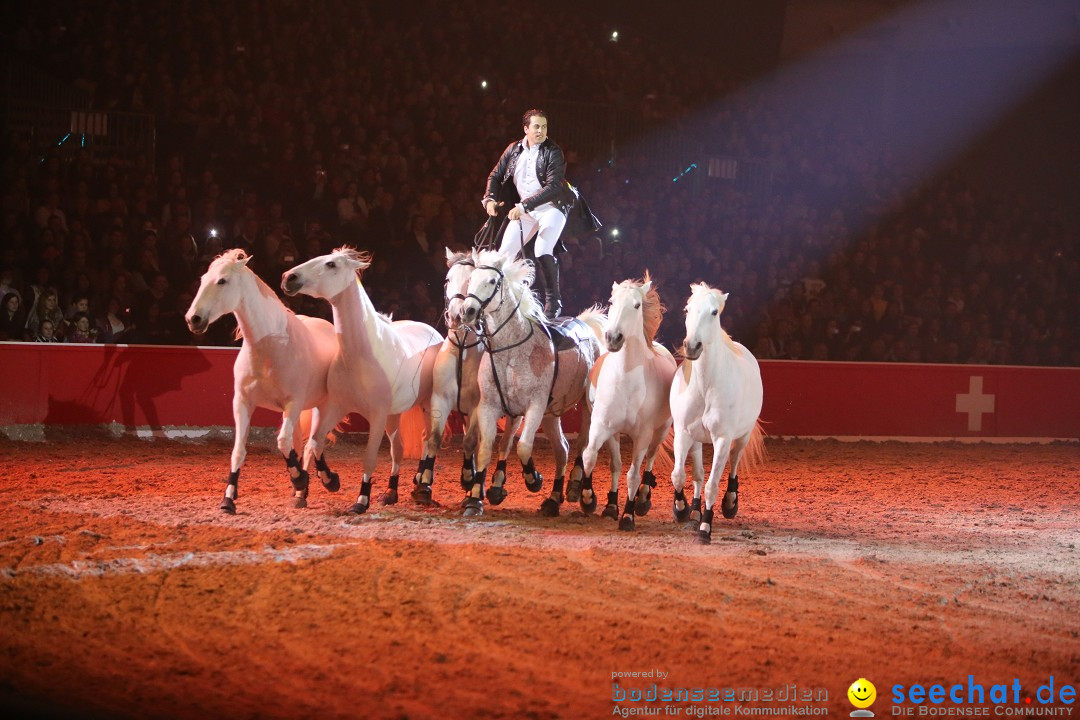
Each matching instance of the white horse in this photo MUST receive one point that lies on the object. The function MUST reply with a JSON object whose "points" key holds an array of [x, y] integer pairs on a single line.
{"points": [[532, 367], [455, 383], [715, 397], [282, 365], [629, 389], [382, 368]]}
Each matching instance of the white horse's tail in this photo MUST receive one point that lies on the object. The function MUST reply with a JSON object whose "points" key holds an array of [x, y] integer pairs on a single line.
{"points": [[304, 430], [596, 318], [412, 430], [755, 456], [664, 456]]}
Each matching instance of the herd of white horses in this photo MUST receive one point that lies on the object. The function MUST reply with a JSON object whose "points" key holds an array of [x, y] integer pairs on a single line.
{"points": [[501, 358]]}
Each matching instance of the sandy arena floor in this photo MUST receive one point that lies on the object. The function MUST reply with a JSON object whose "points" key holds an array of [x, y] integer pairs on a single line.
{"points": [[124, 592]]}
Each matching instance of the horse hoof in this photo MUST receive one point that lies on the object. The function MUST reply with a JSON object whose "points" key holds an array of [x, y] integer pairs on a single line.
{"points": [[704, 537], [300, 503], [300, 482], [536, 483], [422, 494], [496, 495], [549, 508], [627, 523], [610, 511], [695, 516], [642, 507], [680, 515], [389, 497], [590, 506], [228, 506], [357, 509], [730, 511], [573, 490], [498, 478], [332, 482], [474, 507]]}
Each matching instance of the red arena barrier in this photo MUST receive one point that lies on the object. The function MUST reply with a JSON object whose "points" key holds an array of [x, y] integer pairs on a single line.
{"points": [[178, 387]]}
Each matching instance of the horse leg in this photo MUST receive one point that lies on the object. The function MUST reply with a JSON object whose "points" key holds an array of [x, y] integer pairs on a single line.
{"points": [[633, 484], [487, 420], [397, 450], [242, 422], [425, 473], [298, 476], [468, 451], [533, 479], [599, 434], [611, 507], [577, 475], [497, 493], [329, 479], [553, 431], [729, 506], [643, 500], [699, 484], [683, 444], [721, 447], [376, 428]]}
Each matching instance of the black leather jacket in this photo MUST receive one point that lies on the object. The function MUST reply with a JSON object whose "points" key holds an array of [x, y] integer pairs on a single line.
{"points": [[550, 171]]}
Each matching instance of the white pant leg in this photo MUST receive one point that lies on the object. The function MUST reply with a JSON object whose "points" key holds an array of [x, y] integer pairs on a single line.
{"points": [[552, 222], [512, 241]]}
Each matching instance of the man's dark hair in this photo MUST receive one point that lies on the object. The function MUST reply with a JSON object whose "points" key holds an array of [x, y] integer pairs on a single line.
{"points": [[529, 113]]}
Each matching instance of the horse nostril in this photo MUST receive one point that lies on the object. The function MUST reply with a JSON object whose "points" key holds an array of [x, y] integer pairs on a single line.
{"points": [[196, 320]]}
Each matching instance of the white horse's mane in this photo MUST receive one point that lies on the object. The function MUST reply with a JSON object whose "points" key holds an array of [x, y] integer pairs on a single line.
{"points": [[363, 258], [519, 276]]}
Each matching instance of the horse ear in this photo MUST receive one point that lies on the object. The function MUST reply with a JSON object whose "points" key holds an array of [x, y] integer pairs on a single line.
{"points": [[614, 287], [723, 301], [449, 254], [646, 287], [246, 260]]}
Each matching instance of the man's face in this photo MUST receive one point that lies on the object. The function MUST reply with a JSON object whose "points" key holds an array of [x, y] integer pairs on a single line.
{"points": [[536, 130]]}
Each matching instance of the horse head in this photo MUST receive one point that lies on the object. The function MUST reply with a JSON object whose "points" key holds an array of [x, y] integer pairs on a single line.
{"points": [[635, 311], [221, 289], [496, 276], [460, 267], [326, 276], [702, 319]]}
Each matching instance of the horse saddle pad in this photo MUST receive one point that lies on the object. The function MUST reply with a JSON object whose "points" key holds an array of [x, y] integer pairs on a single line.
{"points": [[568, 332]]}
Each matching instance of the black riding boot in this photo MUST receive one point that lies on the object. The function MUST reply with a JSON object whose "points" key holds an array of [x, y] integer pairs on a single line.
{"points": [[539, 287], [552, 297]]}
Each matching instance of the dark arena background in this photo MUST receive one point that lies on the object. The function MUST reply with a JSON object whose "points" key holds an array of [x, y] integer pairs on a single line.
{"points": [[887, 190]]}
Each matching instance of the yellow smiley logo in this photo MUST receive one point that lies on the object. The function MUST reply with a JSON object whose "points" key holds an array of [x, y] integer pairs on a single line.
{"points": [[862, 693]]}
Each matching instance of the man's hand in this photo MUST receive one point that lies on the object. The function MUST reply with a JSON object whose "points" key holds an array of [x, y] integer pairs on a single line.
{"points": [[514, 214], [490, 207]]}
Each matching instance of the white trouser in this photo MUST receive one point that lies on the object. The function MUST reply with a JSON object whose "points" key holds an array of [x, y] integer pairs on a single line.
{"points": [[546, 222]]}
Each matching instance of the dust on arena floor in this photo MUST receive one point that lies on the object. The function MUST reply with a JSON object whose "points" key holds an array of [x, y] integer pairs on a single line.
{"points": [[124, 592]]}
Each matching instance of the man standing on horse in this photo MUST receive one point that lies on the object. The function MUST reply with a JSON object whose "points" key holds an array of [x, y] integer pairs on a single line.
{"points": [[531, 176]]}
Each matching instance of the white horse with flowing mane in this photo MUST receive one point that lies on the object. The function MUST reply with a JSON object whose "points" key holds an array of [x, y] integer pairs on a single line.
{"points": [[532, 367], [629, 389], [382, 368], [282, 365], [455, 382], [716, 397]]}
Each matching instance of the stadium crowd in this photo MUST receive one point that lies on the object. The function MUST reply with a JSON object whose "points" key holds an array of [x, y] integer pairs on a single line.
{"points": [[289, 129]]}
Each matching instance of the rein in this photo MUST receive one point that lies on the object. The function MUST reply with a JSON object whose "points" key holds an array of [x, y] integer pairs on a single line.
{"points": [[486, 337]]}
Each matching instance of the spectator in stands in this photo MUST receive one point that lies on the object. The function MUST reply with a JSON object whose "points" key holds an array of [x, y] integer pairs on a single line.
{"points": [[47, 310], [12, 317], [80, 330]]}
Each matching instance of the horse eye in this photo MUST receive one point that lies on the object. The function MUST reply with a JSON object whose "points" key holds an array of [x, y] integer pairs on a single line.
{"points": [[331, 264], [491, 281], [637, 306], [221, 281], [715, 312]]}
